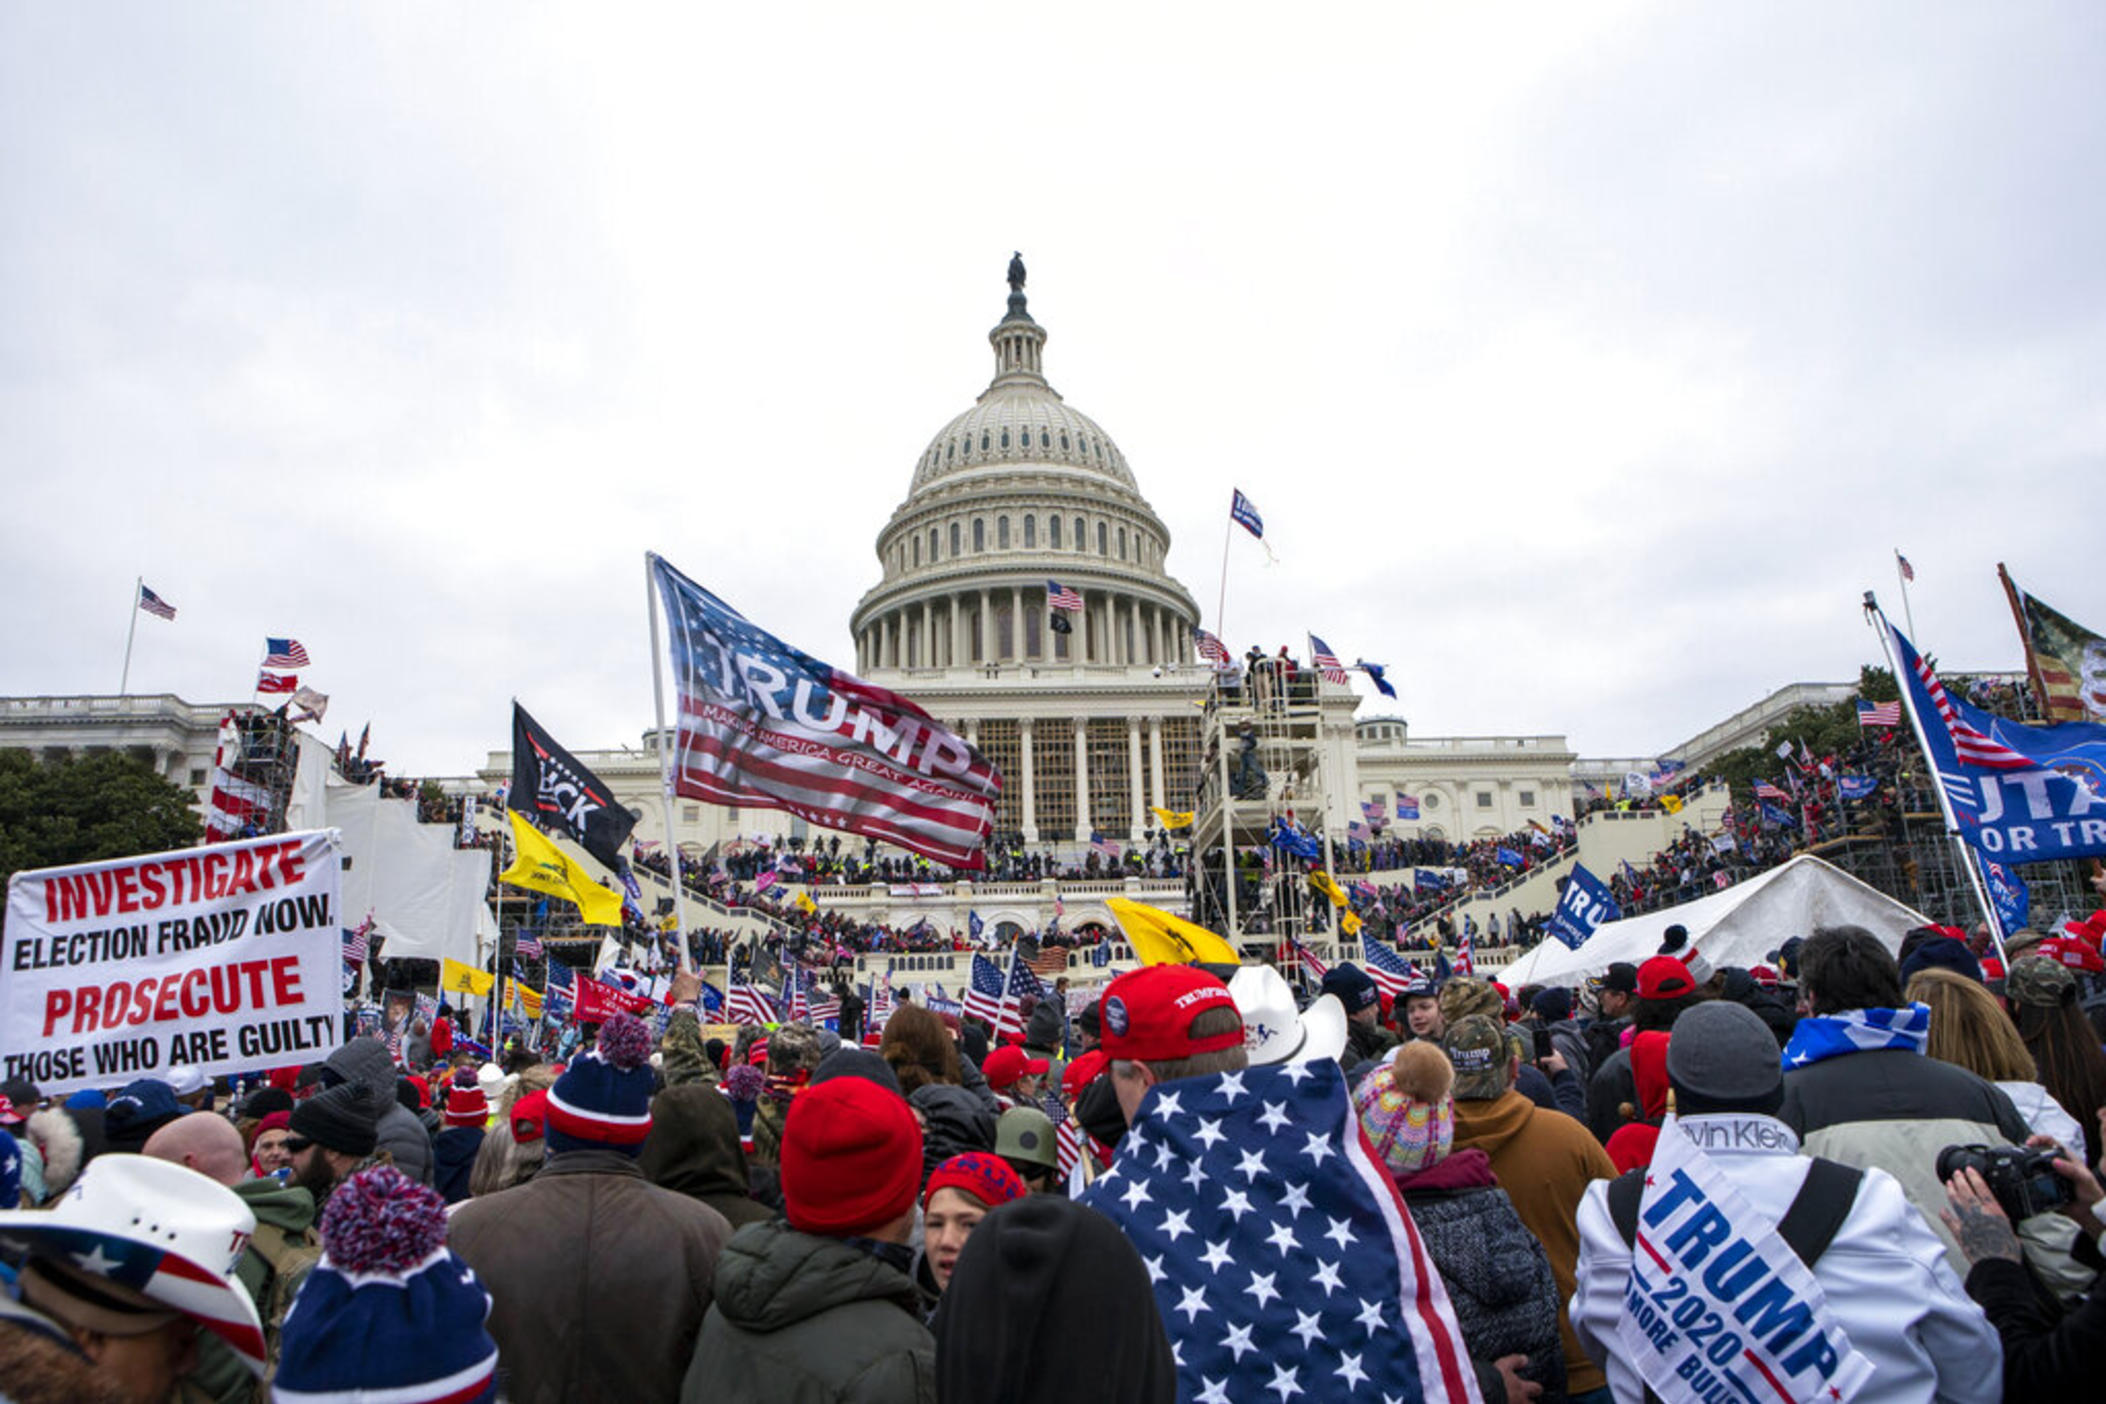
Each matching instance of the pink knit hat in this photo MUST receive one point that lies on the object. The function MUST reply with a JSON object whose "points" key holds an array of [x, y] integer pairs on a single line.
{"points": [[1407, 1108]]}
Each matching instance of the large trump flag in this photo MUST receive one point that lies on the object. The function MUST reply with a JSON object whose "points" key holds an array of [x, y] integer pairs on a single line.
{"points": [[766, 726]]}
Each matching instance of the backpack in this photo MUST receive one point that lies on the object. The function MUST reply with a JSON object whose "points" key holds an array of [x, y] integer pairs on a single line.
{"points": [[1816, 1214]]}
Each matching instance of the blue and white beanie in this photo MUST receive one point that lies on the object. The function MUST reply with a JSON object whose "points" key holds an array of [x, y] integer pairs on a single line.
{"points": [[603, 1100], [390, 1312]]}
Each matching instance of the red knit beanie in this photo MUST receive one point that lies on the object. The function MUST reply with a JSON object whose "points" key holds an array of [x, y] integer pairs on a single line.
{"points": [[465, 1103], [851, 1158]]}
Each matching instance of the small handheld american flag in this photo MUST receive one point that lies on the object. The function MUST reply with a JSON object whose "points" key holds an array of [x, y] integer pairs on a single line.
{"points": [[1327, 663]]}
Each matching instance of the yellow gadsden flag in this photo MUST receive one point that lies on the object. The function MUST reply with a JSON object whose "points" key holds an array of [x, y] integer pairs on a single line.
{"points": [[542, 867], [1172, 819], [456, 978], [1162, 939], [1324, 883], [1671, 803], [806, 905]]}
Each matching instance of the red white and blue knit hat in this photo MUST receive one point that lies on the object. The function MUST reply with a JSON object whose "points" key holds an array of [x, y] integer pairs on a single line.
{"points": [[603, 1102], [466, 1105], [390, 1313]]}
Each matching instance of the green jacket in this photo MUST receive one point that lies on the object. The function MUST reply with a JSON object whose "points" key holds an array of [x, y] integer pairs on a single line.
{"points": [[272, 1267], [807, 1320]]}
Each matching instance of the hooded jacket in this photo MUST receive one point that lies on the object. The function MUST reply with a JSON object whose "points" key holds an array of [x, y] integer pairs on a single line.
{"points": [[598, 1279], [694, 1150], [806, 1320], [365, 1061], [1497, 1275], [453, 1154], [1545, 1160], [954, 1121]]}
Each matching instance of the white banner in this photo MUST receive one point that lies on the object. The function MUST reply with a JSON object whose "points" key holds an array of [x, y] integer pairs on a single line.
{"points": [[222, 958], [1717, 1305]]}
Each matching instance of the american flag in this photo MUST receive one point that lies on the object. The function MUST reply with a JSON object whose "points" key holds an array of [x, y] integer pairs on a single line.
{"points": [[1050, 963], [1311, 962], [825, 1007], [1021, 982], [1327, 662], [1908, 572], [1107, 848], [1879, 713], [1466, 954], [824, 745], [1245, 514], [748, 1004], [527, 947], [1212, 650], [1059, 596], [356, 940], [983, 997], [1373, 810], [153, 604], [1067, 1136], [284, 653], [796, 1002], [1385, 966], [1968, 742], [1765, 790], [1264, 1302], [277, 682], [877, 1008]]}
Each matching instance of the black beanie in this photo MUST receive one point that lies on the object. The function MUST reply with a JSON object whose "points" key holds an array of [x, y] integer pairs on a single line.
{"points": [[265, 1100], [342, 1119]]}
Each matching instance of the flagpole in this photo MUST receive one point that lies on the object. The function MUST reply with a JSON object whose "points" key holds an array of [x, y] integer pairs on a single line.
{"points": [[1952, 825], [1228, 535], [124, 682], [2025, 642], [665, 762], [1907, 613]]}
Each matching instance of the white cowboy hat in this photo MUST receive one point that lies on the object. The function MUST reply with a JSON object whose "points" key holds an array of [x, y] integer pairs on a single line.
{"points": [[1273, 1032], [157, 1230]]}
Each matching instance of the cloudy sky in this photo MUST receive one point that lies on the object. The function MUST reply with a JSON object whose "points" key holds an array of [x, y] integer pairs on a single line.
{"points": [[1587, 362]]}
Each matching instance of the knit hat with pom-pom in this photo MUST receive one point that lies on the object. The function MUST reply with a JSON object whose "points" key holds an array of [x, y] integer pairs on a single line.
{"points": [[1407, 1107], [390, 1312], [465, 1103], [603, 1101]]}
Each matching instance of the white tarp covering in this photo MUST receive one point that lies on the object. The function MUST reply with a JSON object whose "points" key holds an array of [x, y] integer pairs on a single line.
{"points": [[424, 895], [1739, 926]]}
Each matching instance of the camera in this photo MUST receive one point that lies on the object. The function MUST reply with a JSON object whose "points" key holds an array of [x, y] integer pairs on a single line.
{"points": [[2023, 1180]]}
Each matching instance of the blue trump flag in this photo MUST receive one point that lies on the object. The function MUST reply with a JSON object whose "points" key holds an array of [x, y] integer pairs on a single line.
{"points": [[1507, 856], [1305, 1278], [2009, 895], [1428, 880], [1778, 818], [2022, 794], [1292, 839], [1585, 905], [1856, 787]]}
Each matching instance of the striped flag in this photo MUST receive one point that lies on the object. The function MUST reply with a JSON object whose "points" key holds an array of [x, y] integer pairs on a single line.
{"points": [[153, 604], [825, 1007], [1311, 962], [1908, 572], [1327, 662], [1107, 848], [1212, 650], [1067, 1136], [356, 942], [983, 997], [277, 682], [1059, 596], [284, 653], [1466, 954], [1765, 790], [1385, 967], [748, 1004], [1879, 713], [1244, 513], [527, 947], [1968, 742], [820, 743]]}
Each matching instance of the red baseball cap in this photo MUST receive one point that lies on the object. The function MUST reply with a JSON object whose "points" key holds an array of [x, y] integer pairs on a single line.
{"points": [[1008, 1063], [2077, 955], [1147, 1013], [1664, 977], [1082, 1072]]}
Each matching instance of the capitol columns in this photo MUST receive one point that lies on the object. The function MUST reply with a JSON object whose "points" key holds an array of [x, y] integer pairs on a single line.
{"points": [[1155, 762], [986, 628], [1133, 775], [1028, 807], [1083, 824], [928, 633]]}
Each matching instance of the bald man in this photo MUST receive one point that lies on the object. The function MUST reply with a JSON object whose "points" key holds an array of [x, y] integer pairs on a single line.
{"points": [[275, 1261]]}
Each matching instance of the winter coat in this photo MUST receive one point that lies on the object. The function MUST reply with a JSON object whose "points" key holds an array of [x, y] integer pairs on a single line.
{"points": [[598, 1279], [453, 1160], [2046, 1356], [1496, 1273], [693, 1149], [2044, 1114], [1604, 1037], [1366, 1043], [800, 1319], [1570, 1041], [1883, 1275], [954, 1121], [38, 1360], [1544, 1160], [1896, 1110], [365, 1062], [1612, 1088]]}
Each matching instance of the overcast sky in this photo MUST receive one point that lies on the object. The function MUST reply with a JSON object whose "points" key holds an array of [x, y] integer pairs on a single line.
{"points": [[1587, 362]]}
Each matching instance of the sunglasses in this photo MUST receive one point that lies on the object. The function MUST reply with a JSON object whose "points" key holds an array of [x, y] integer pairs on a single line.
{"points": [[295, 1144]]}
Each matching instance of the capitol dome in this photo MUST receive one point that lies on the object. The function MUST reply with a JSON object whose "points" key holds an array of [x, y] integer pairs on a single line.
{"points": [[1019, 492]]}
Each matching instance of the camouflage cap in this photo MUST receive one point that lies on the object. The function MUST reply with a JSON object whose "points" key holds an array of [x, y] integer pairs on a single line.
{"points": [[2039, 981], [1466, 995], [1477, 1046]]}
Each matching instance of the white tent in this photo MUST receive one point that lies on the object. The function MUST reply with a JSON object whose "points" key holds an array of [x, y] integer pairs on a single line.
{"points": [[1739, 926], [424, 895]]}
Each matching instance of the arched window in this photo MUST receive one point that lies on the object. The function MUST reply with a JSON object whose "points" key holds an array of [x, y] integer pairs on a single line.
{"points": [[954, 538], [917, 550], [979, 535], [1122, 543], [1063, 441], [1005, 436], [1082, 541], [1001, 533], [950, 450], [1103, 537], [983, 441], [1045, 439], [1053, 532], [1030, 533], [932, 545]]}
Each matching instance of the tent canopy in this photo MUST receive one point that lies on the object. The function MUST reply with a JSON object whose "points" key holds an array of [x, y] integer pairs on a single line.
{"points": [[1739, 926]]}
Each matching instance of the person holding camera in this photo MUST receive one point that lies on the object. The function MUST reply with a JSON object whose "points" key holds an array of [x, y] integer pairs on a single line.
{"points": [[2048, 1353]]}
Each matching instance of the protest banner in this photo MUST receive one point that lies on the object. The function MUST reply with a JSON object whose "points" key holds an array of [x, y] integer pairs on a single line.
{"points": [[1718, 1306], [221, 958], [1584, 905], [597, 1002]]}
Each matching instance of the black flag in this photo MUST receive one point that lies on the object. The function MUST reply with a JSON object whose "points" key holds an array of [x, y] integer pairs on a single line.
{"points": [[551, 788]]}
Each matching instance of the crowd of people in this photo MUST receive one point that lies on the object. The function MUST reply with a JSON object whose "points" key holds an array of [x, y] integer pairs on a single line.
{"points": [[1886, 1138]]}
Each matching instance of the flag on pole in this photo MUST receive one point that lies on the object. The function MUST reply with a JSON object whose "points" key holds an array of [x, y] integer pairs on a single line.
{"points": [[1173, 819], [1878, 713], [1213, 651], [456, 977], [1908, 572], [277, 682], [2067, 660], [1059, 596], [153, 604], [983, 996], [1159, 938], [356, 942], [284, 653], [1385, 967], [1021, 982], [541, 867], [553, 788], [748, 1004], [1376, 674], [1327, 663], [766, 726], [1245, 514]]}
